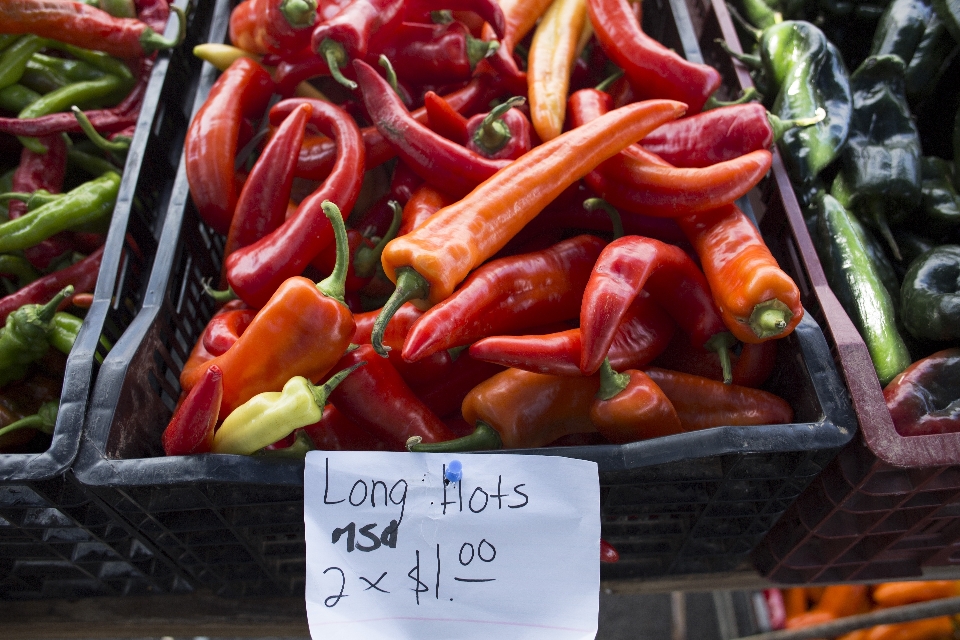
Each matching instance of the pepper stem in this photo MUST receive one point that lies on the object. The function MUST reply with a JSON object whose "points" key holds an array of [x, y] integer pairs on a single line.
{"points": [[722, 343], [334, 285], [299, 14], [749, 94], [367, 259], [483, 438], [391, 74], [336, 57], [769, 319], [410, 286], [478, 49], [591, 204], [875, 211], [152, 41], [219, 295], [781, 126], [611, 382], [46, 312], [323, 391], [609, 80], [43, 420], [493, 133], [120, 145], [751, 61]]}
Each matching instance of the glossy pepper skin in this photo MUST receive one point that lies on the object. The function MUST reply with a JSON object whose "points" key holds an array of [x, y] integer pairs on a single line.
{"points": [[272, 26], [254, 272], [703, 403], [645, 331], [41, 171], [531, 410], [508, 295], [880, 172], [939, 199], [757, 299], [210, 146], [752, 364], [654, 70], [631, 407], [435, 54], [502, 133], [930, 294], [429, 262], [82, 276], [306, 326], [631, 264], [23, 338], [191, 427], [397, 413]]}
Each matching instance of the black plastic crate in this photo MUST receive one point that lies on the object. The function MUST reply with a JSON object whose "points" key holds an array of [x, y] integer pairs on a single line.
{"points": [[691, 503], [55, 539]]}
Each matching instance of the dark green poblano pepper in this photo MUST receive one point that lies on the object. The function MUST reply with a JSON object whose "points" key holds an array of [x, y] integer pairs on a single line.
{"points": [[939, 200], [24, 338], [879, 178], [930, 295], [807, 72]]}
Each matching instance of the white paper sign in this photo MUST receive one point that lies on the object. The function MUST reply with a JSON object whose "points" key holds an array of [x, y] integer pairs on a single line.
{"points": [[511, 550]]}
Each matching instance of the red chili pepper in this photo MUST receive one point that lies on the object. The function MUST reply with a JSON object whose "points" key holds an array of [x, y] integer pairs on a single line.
{"points": [[424, 202], [507, 295], [191, 428], [923, 398], [608, 552], [437, 54], [488, 11], [305, 325], [153, 13], [503, 133], [199, 355], [82, 25], [256, 271], [654, 70], [336, 432], [757, 299], [751, 365], [703, 403], [397, 413], [318, 152], [350, 34], [445, 395], [631, 407], [82, 275], [378, 219], [444, 119], [641, 336], [210, 147], [272, 26], [633, 263], [293, 68], [262, 204], [225, 328], [437, 160]]}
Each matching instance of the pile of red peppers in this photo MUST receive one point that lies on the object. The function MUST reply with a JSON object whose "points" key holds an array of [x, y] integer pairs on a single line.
{"points": [[414, 260], [72, 81]]}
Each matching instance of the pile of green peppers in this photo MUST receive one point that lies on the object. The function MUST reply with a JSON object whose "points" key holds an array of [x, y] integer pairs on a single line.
{"points": [[879, 178]]}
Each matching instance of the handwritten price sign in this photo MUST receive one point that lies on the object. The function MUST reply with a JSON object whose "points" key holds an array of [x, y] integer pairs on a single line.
{"points": [[417, 545]]}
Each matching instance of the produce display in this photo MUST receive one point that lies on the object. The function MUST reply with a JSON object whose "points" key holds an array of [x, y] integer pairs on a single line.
{"points": [[877, 178], [72, 81], [465, 226]]}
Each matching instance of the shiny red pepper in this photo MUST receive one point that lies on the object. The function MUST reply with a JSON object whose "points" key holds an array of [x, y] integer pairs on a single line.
{"points": [[364, 255], [396, 414], [444, 119], [630, 406], [256, 271], [507, 295], [437, 54], [336, 432], [191, 428], [210, 146], [272, 26], [924, 399], [424, 202], [503, 133], [654, 70], [645, 331], [262, 204], [437, 160], [634, 263], [225, 328]]}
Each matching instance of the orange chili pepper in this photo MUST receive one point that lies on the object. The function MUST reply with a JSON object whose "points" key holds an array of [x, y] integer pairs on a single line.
{"points": [[837, 601], [892, 594], [758, 300], [429, 262], [795, 601], [939, 628]]}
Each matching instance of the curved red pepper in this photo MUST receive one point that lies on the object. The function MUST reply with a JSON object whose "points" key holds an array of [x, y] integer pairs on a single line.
{"points": [[225, 328], [191, 428], [256, 271], [210, 146], [272, 26], [350, 33], [645, 331], [437, 160], [654, 70], [444, 119], [488, 11], [634, 263], [397, 414], [631, 407], [262, 204], [506, 295], [82, 275], [227, 335], [608, 552]]}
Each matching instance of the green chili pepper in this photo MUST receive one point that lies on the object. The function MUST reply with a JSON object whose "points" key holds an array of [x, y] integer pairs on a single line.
{"points": [[63, 331], [901, 28], [7, 39], [757, 12], [807, 72], [23, 340], [14, 59], [91, 202], [854, 279], [17, 97], [120, 144], [880, 174], [273, 415], [98, 59], [47, 73], [930, 295], [45, 419]]}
